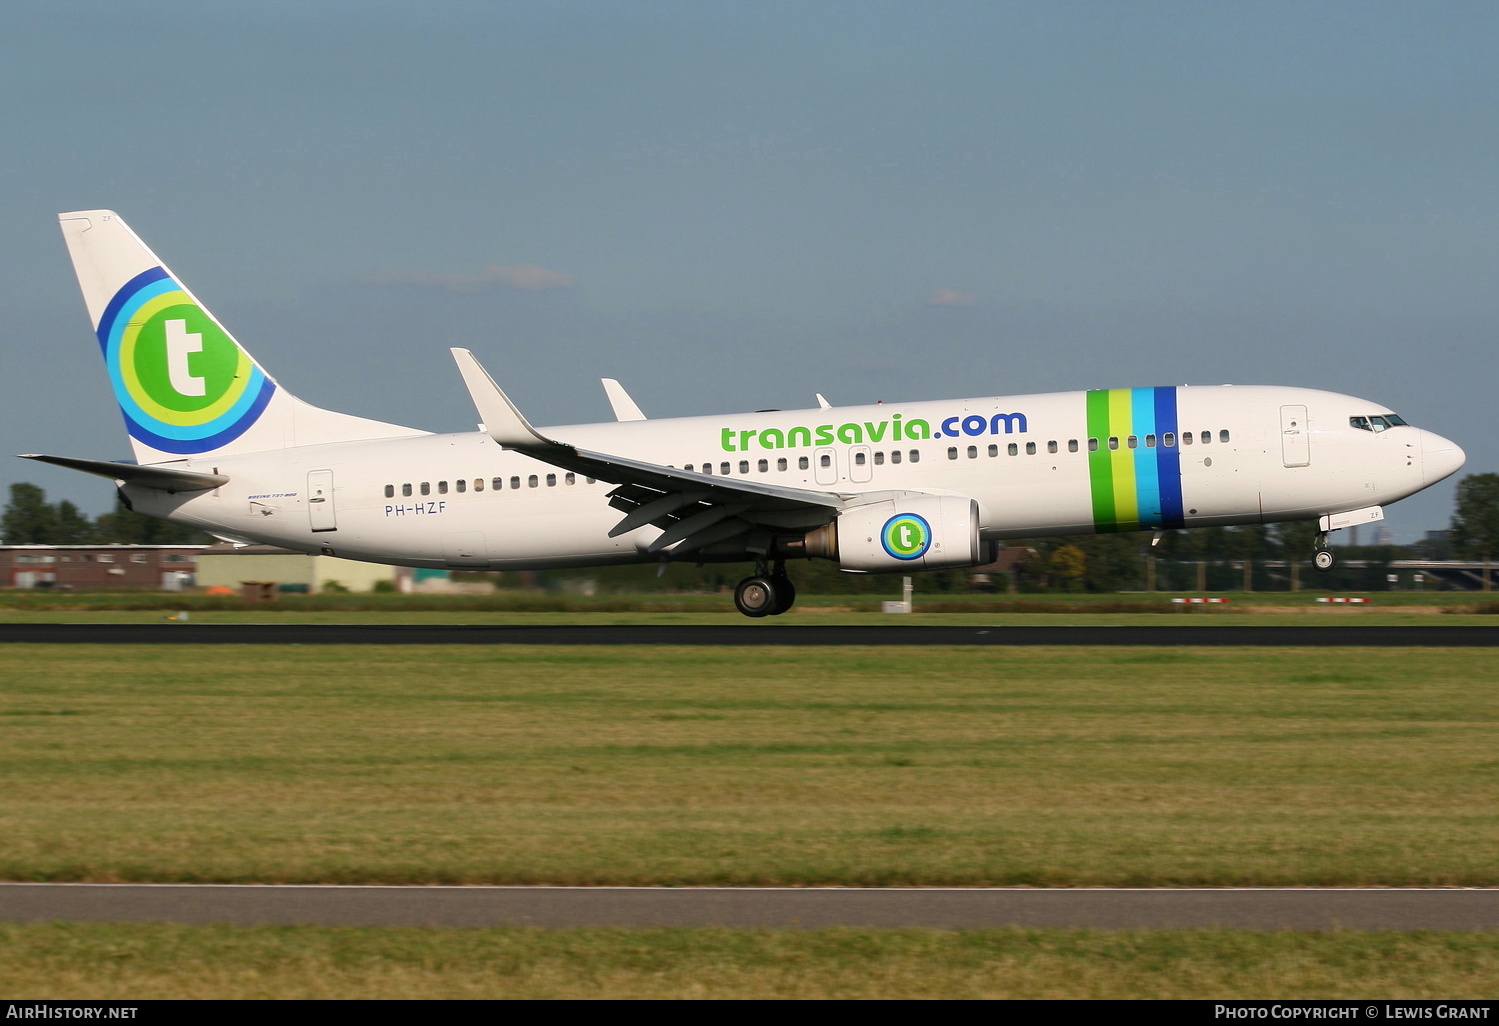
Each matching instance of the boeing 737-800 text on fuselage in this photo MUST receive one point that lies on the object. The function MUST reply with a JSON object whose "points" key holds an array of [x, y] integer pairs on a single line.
{"points": [[896, 487]]}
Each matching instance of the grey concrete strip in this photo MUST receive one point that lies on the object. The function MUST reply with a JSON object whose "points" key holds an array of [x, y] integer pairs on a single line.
{"points": [[748, 633], [943, 908]]}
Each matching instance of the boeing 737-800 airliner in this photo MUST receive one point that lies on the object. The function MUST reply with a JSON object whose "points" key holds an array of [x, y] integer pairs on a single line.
{"points": [[896, 487]]}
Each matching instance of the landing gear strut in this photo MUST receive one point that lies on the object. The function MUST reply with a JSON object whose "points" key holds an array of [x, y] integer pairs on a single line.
{"points": [[1323, 559], [768, 593]]}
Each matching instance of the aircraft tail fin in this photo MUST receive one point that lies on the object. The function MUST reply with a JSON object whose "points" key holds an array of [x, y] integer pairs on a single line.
{"points": [[184, 385]]}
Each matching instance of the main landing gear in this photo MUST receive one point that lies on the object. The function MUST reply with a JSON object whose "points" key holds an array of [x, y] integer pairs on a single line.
{"points": [[768, 593], [1323, 559]]}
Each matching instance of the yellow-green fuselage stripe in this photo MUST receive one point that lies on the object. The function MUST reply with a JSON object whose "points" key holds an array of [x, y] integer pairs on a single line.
{"points": [[1122, 459]]}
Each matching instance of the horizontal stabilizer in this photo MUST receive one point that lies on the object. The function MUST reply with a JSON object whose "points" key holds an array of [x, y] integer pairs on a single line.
{"points": [[166, 479]]}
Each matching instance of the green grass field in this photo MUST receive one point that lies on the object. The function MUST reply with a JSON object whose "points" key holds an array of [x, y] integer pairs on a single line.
{"points": [[142, 962], [658, 765], [1060, 766]]}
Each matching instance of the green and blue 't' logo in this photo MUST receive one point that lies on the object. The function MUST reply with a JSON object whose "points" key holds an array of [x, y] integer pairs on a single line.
{"points": [[182, 383], [906, 536]]}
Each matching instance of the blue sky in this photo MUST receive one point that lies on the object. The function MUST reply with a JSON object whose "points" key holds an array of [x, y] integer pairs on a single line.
{"points": [[730, 206]]}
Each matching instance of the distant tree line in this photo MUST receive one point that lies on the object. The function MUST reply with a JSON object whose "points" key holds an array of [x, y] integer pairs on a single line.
{"points": [[30, 519]]}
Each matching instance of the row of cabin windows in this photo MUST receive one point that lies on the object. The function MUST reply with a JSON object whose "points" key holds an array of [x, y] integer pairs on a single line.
{"points": [[495, 484], [1167, 440], [805, 462]]}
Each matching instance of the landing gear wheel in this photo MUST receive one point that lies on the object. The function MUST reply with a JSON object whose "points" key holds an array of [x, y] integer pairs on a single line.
{"points": [[1324, 560], [756, 596], [785, 595]]}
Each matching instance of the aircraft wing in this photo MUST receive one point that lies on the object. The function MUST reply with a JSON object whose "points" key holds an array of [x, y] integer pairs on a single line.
{"points": [[168, 479], [694, 510]]}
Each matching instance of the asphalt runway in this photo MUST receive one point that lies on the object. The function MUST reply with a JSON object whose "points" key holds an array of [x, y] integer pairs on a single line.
{"points": [[752, 907], [738, 634]]}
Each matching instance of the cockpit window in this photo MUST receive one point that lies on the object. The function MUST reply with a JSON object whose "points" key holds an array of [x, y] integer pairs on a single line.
{"points": [[1377, 422]]}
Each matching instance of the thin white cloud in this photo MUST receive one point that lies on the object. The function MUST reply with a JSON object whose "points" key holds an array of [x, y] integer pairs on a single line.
{"points": [[526, 277], [951, 297]]}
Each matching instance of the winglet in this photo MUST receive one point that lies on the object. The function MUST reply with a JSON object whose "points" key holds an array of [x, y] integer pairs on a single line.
{"points": [[502, 420], [619, 399], [823, 403]]}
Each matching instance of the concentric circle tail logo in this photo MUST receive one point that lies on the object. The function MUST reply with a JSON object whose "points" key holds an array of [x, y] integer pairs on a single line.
{"points": [[906, 536], [182, 383]]}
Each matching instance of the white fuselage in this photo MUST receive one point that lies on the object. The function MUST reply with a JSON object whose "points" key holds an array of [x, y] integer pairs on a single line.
{"points": [[1060, 463]]}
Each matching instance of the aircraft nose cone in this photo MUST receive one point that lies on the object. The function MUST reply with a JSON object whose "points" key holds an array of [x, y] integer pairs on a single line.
{"points": [[1439, 457]]}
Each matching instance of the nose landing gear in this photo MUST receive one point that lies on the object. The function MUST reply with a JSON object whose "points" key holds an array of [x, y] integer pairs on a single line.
{"points": [[768, 593], [1323, 559]]}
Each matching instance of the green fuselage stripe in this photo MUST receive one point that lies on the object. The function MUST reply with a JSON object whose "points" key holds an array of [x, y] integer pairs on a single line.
{"points": [[1100, 473]]}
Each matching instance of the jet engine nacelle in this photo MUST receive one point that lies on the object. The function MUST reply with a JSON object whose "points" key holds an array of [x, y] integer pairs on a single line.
{"points": [[924, 532]]}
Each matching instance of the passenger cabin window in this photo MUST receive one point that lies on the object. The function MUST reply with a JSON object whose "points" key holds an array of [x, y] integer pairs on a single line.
{"points": [[895, 456], [802, 463], [1169, 439], [1013, 449], [406, 489], [478, 484], [764, 466], [1132, 442], [993, 450], [707, 468], [442, 488], [551, 480], [460, 485], [1092, 445], [515, 481], [723, 468], [973, 452], [1186, 438], [1051, 446], [390, 491], [426, 488], [824, 460], [1223, 435], [497, 484], [571, 479], [1072, 445], [532, 481], [1207, 436], [952, 452], [879, 459], [1113, 441], [744, 466], [1030, 448], [1150, 441], [781, 463], [915, 455], [859, 459]]}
